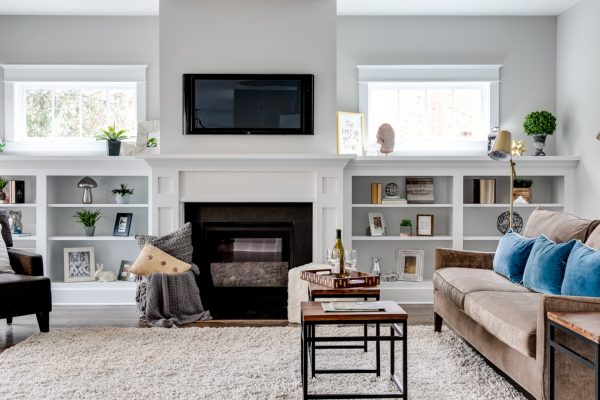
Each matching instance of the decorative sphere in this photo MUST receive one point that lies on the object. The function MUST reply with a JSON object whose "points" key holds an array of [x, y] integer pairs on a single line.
{"points": [[392, 190]]}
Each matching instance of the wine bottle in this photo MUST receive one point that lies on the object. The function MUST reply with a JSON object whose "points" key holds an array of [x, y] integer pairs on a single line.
{"points": [[339, 248]]}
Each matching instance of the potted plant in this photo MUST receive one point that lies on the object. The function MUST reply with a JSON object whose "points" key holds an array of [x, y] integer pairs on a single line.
{"points": [[88, 219], [113, 139], [2, 146], [539, 124], [123, 194], [522, 187], [3, 183], [406, 227]]}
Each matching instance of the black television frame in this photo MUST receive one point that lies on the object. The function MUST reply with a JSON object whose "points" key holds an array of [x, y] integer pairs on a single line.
{"points": [[307, 113]]}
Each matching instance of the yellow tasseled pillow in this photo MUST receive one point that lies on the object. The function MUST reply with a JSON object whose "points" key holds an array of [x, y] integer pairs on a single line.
{"points": [[152, 259]]}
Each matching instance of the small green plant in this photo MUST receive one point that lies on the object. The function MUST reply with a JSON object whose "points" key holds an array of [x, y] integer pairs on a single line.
{"points": [[112, 134], [406, 222], [3, 183], [522, 183], [2, 146], [123, 190], [87, 217], [539, 123], [152, 142]]}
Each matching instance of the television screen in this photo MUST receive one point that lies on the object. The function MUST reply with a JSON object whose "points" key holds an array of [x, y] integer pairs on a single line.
{"points": [[248, 104]]}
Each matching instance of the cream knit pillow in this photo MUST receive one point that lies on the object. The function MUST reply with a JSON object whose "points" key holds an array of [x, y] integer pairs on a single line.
{"points": [[152, 259]]}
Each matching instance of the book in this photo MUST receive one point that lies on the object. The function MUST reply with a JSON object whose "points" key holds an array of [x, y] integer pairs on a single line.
{"points": [[352, 306], [376, 193], [394, 201]]}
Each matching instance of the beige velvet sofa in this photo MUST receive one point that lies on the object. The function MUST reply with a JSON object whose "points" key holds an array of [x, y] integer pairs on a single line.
{"points": [[504, 321]]}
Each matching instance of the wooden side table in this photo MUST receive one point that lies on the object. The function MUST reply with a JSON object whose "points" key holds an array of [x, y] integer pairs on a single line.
{"points": [[312, 314], [584, 326]]}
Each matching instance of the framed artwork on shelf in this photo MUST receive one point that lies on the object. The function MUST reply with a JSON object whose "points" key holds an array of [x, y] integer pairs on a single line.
{"points": [[80, 264], [409, 264], [419, 190], [377, 224], [124, 274], [350, 133], [424, 224], [122, 224]]}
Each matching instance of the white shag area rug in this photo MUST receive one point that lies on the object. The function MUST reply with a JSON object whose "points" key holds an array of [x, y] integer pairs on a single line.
{"points": [[230, 363]]}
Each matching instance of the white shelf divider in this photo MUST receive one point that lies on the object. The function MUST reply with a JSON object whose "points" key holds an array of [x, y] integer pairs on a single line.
{"points": [[516, 205], [402, 238], [18, 205], [24, 238], [107, 205], [402, 205], [91, 238], [489, 238]]}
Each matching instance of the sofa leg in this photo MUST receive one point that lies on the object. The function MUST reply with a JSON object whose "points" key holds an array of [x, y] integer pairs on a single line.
{"points": [[9, 320], [437, 322], [43, 319]]}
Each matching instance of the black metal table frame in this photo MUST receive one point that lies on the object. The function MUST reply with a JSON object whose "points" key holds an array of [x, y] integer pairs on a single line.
{"points": [[398, 332], [551, 328]]}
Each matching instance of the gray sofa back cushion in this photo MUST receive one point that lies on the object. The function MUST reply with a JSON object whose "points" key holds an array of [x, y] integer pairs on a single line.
{"points": [[558, 227]]}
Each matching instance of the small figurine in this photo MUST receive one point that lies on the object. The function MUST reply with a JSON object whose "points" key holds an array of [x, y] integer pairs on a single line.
{"points": [[14, 219], [386, 138], [104, 276]]}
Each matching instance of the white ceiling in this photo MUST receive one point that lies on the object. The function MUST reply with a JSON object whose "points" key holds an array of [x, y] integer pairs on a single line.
{"points": [[345, 7]]}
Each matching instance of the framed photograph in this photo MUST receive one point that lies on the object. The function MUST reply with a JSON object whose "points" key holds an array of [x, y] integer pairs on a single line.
{"points": [[80, 264], [377, 224], [124, 274], [350, 133], [122, 224], [424, 225], [409, 264], [419, 190]]}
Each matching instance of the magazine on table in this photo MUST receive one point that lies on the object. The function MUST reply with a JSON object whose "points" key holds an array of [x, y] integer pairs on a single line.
{"points": [[356, 306]]}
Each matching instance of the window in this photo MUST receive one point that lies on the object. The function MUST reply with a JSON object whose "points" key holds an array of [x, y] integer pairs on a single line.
{"points": [[440, 114], [64, 108]]}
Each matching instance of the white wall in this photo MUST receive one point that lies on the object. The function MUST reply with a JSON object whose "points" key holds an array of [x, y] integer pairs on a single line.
{"points": [[241, 36], [526, 46], [82, 40], [578, 99]]}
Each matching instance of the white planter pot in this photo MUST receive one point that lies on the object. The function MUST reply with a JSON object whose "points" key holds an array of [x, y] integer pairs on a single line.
{"points": [[123, 199]]}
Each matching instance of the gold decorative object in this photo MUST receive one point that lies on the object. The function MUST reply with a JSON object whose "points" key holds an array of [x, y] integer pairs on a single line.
{"points": [[598, 136], [518, 148], [502, 149]]}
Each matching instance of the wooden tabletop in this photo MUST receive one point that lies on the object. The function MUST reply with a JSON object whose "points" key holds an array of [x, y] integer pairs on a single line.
{"points": [[587, 324], [312, 311], [319, 290]]}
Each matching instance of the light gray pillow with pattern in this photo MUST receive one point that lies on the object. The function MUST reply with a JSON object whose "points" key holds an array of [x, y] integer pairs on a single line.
{"points": [[4, 260], [178, 243]]}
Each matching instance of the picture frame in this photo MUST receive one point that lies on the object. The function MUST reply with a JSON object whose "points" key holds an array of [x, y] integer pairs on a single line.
{"points": [[409, 264], [420, 190], [377, 224], [124, 274], [350, 128], [425, 224], [122, 224], [79, 264]]}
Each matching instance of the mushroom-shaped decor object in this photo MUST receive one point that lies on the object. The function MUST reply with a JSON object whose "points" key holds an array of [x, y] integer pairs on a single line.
{"points": [[386, 138], [87, 184]]}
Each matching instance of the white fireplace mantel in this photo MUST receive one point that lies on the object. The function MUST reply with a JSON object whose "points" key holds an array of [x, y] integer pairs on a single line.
{"points": [[230, 178]]}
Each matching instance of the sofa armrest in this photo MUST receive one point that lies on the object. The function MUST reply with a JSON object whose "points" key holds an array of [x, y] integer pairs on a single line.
{"points": [[449, 258], [25, 263], [551, 303]]}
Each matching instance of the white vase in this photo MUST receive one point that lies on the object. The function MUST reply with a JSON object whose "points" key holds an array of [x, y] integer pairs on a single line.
{"points": [[123, 199]]}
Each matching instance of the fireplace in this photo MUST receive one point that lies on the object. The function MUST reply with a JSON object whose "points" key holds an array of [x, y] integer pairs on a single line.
{"points": [[244, 252]]}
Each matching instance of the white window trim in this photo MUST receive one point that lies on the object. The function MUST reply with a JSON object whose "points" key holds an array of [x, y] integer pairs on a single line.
{"points": [[14, 74], [369, 74]]}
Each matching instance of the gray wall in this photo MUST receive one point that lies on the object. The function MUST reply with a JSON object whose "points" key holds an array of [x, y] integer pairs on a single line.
{"points": [[526, 46], [82, 40], [241, 36], [578, 99]]}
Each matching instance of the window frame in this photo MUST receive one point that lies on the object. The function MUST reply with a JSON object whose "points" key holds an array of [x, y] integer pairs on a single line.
{"points": [[17, 77], [372, 75]]}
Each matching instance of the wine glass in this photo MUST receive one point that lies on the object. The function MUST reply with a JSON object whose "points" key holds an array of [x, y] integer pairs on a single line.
{"points": [[333, 257], [351, 259]]}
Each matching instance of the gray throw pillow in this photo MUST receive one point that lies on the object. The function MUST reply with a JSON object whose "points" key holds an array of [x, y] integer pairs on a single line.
{"points": [[4, 259], [178, 243], [5, 228]]}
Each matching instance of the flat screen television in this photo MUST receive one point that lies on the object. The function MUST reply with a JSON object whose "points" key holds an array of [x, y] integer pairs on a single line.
{"points": [[248, 104]]}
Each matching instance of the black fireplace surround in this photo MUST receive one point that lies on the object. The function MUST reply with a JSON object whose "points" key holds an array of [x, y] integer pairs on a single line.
{"points": [[244, 251]]}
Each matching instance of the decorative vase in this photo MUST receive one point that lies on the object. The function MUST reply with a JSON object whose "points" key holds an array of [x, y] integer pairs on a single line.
{"points": [[123, 198], [405, 231], [113, 147], [89, 230], [539, 142], [525, 193], [375, 267]]}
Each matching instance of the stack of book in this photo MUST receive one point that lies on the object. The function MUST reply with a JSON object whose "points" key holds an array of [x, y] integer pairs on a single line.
{"points": [[394, 200], [353, 306]]}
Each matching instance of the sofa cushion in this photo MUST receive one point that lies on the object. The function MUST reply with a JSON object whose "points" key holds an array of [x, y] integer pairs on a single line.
{"points": [[511, 256], [558, 227], [178, 243], [510, 317], [545, 269], [455, 283], [593, 239], [582, 275]]}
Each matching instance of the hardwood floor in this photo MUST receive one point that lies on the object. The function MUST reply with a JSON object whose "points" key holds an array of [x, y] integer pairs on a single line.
{"points": [[125, 316]]}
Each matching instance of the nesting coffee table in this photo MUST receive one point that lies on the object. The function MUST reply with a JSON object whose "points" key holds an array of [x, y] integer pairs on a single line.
{"points": [[312, 314]]}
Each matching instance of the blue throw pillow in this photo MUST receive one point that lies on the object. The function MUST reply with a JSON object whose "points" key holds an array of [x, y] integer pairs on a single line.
{"points": [[511, 256], [546, 265], [582, 277]]}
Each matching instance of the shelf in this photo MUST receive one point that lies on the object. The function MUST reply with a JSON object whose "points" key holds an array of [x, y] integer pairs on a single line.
{"points": [[18, 205], [402, 238], [91, 238], [424, 284], [402, 205], [107, 205], [490, 238], [116, 285], [93, 293], [518, 205], [28, 238]]}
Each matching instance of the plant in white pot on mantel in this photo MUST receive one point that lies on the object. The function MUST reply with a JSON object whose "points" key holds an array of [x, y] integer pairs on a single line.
{"points": [[122, 194], [539, 124], [88, 219]]}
